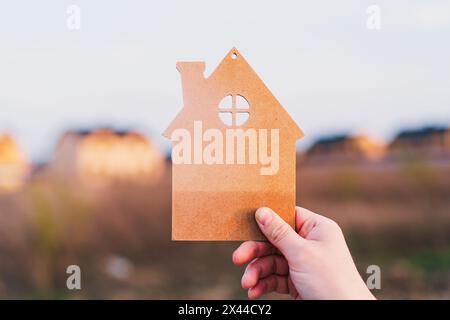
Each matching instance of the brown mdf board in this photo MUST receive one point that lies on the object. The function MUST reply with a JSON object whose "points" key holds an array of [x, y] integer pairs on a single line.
{"points": [[233, 151]]}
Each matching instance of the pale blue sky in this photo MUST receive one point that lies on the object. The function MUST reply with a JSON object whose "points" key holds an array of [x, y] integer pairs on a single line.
{"points": [[329, 71]]}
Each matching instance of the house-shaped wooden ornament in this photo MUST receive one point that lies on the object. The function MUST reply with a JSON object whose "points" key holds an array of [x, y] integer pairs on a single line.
{"points": [[233, 151]]}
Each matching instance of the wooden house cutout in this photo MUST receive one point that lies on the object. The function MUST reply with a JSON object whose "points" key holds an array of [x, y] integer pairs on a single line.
{"points": [[233, 151]]}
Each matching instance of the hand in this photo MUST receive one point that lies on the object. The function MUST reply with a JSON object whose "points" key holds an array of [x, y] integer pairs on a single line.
{"points": [[314, 263]]}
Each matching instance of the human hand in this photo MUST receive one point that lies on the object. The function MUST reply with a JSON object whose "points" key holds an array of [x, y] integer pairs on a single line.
{"points": [[314, 263]]}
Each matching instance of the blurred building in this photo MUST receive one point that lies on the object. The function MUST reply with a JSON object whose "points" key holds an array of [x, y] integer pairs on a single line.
{"points": [[424, 142], [343, 148], [14, 166], [106, 155]]}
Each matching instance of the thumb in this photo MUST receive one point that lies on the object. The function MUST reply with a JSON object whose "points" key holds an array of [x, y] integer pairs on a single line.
{"points": [[278, 232]]}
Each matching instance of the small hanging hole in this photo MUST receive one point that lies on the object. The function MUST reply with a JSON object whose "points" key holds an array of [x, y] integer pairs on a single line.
{"points": [[234, 56]]}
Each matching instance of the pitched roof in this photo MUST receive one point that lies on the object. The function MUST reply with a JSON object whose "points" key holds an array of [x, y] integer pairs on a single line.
{"points": [[232, 74], [422, 132]]}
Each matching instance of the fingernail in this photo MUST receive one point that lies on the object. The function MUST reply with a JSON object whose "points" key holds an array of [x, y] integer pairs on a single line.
{"points": [[263, 216]]}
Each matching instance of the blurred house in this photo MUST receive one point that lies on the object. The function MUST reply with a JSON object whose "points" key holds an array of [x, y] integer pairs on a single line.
{"points": [[343, 149], [14, 166], [426, 142], [105, 155]]}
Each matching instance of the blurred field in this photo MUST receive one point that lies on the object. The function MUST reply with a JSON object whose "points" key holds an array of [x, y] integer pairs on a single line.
{"points": [[396, 216]]}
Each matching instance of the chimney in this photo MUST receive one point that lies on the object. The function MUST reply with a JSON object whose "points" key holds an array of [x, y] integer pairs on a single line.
{"points": [[192, 80]]}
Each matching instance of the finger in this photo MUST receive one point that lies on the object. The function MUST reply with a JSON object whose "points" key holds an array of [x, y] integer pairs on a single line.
{"points": [[306, 220], [262, 268], [274, 283], [293, 290], [278, 232], [250, 250]]}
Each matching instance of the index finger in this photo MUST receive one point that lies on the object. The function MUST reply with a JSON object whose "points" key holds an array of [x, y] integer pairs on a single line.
{"points": [[306, 220], [250, 250]]}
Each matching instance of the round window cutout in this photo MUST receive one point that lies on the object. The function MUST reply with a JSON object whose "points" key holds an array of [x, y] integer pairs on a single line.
{"points": [[234, 110]]}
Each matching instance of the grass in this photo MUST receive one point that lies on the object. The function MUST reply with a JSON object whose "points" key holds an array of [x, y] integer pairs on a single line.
{"points": [[396, 217], [431, 261]]}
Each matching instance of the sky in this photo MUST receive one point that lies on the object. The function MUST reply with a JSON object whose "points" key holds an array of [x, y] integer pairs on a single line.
{"points": [[330, 71]]}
